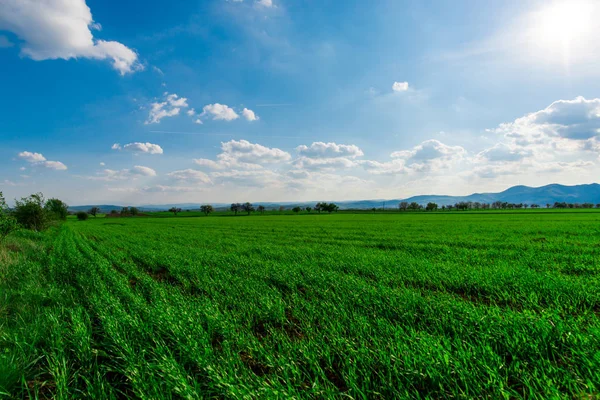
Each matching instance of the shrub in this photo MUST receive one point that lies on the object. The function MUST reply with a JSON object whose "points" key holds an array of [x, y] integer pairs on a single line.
{"points": [[30, 213], [82, 215], [56, 209], [7, 223]]}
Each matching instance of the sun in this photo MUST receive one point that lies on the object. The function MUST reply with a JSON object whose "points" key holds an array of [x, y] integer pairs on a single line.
{"points": [[564, 22]]}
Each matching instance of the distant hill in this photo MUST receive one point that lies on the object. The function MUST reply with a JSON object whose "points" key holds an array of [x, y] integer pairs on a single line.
{"points": [[543, 195]]}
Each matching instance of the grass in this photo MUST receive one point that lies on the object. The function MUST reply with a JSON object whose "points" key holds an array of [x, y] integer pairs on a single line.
{"points": [[311, 306]]}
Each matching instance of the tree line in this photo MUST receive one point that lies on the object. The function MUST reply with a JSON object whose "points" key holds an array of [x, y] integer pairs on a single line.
{"points": [[496, 205]]}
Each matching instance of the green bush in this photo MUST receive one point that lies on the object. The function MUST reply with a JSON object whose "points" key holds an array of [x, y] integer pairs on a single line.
{"points": [[82, 215], [56, 209], [30, 213]]}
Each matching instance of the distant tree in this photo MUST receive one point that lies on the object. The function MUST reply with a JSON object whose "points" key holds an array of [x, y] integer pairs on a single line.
{"points": [[403, 206], [414, 206], [94, 210], [113, 212], [261, 209], [30, 213], [281, 209], [587, 205], [134, 211], [560, 205], [206, 209], [431, 206], [309, 209], [175, 210], [547, 205], [296, 209], [248, 207], [8, 223], [125, 212], [598, 205], [235, 207], [56, 209], [329, 207], [82, 215], [319, 207], [477, 205], [443, 208], [534, 206]]}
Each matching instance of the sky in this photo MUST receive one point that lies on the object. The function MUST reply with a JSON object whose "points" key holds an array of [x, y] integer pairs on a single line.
{"points": [[155, 102]]}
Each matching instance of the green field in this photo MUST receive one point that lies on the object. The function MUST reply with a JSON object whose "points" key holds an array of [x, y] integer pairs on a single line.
{"points": [[364, 306]]}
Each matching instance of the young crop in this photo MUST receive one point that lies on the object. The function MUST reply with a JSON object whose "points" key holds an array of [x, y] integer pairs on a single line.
{"points": [[342, 305]]}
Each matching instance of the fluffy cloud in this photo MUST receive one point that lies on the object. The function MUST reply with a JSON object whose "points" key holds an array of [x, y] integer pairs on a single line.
{"points": [[244, 155], [219, 112], [577, 119], [32, 157], [329, 150], [123, 174], [138, 147], [393, 167], [190, 175], [170, 107], [244, 151], [502, 153], [53, 29], [249, 115], [257, 178], [400, 86], [429, 156], [39, 159], [323, 163]]}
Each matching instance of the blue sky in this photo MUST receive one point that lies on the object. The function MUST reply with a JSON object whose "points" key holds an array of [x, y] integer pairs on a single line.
{"points": [[222, 101]]}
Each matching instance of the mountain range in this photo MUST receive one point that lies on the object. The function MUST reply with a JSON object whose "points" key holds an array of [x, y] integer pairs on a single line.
{"points": [[549, 194]]}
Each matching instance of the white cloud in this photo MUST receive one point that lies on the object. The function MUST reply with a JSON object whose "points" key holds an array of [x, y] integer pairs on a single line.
{"points": [[56, 165], [249, 115], [430, 152], [577, 119], [190, 175], [501, 152], [170, 107], [191, 112], [198, 121], [219, 112], [329, 150], [250, 178], [143, 171], [53, 29], [244, 151], [5, 43], [243, 155], [400, 86], [32, 157], [393, 167], [39, 159], [324, 163], [157, 70], [137, 147], [102, 164], [123, 174]]}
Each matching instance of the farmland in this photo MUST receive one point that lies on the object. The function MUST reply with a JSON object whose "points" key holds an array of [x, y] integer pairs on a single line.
{"points": [[430, 305]]}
